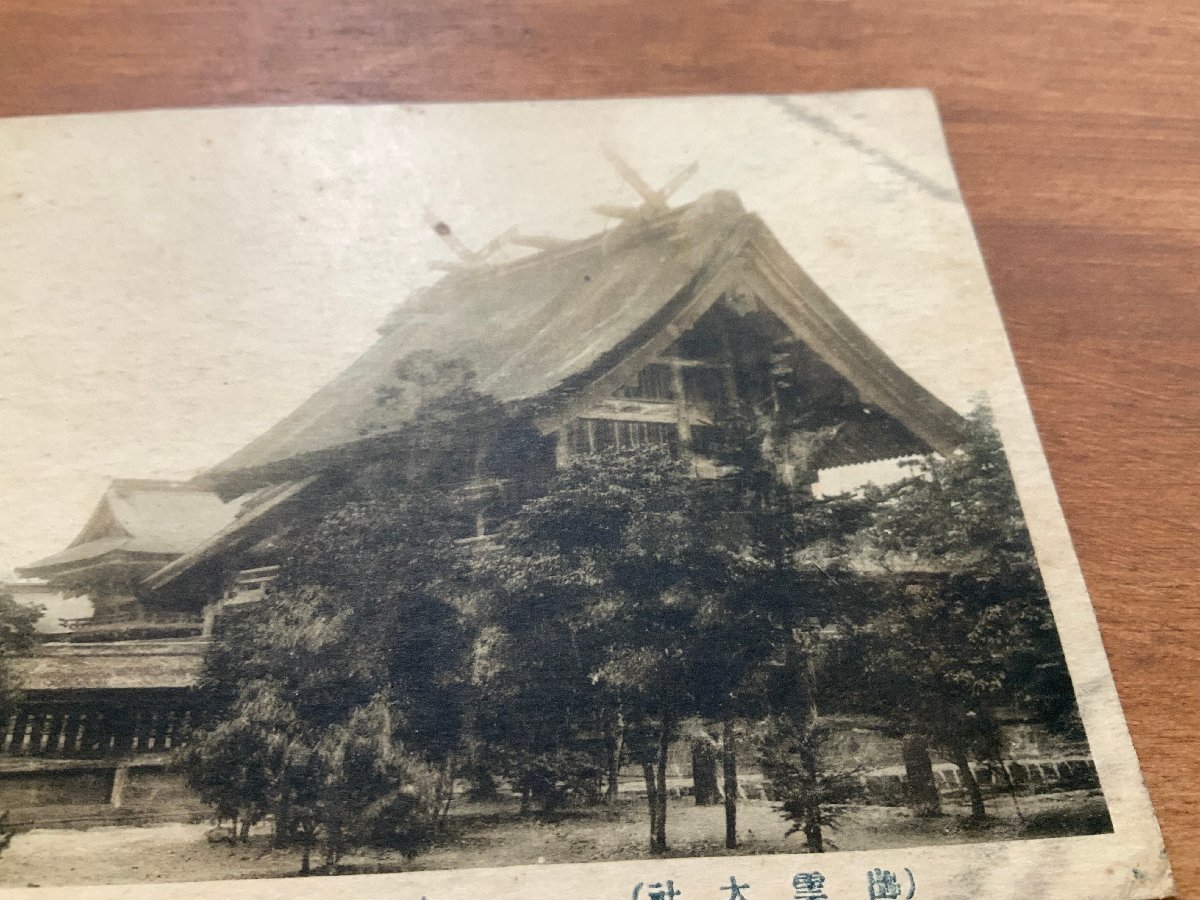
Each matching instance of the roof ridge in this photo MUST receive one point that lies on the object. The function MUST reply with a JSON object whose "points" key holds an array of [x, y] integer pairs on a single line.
{"points": [[627, 231]]}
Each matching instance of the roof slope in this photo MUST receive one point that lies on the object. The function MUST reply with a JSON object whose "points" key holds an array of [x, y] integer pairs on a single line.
{"points": [[142, 517], [524, 326], [258, 513], [567, 323]]}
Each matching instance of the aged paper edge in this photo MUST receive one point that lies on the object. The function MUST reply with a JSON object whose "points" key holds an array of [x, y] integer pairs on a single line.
{"points": [[1128, 863]]}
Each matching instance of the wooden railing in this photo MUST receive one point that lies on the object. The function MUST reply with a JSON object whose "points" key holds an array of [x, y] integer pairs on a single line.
{"points": [[129, 616], [90, 730]]}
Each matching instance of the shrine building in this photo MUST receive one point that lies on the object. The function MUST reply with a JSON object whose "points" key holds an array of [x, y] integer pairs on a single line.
{"points": [[640, 335]]}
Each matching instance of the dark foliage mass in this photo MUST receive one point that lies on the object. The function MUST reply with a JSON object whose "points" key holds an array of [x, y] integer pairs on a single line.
{"points": [[17, 635], [623, 606]]}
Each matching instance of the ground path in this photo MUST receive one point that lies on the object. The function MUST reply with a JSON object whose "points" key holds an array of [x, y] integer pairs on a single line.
{"points": [[181, 852]]}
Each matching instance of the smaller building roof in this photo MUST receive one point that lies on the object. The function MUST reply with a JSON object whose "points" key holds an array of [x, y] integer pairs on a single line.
{"points": [[260, 510], [141, 518], [111, 666]]}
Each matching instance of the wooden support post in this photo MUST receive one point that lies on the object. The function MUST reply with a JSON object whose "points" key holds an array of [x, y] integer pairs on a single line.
{"points": [[120, 782], [89, 731], [162, 728], [70, 739], [210, 617], [142, 729], [37, 718], [562, 447], [20, 727], [684, 423], [54, 730]]}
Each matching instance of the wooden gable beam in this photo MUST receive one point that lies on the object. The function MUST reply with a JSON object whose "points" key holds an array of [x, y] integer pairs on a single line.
{"points": [[787, 291], [715, 278]]}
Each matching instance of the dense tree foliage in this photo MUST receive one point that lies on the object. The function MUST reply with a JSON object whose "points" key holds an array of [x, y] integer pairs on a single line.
{"points": [[356, 665], [625, 605], [591, 619], [17, 635], [963, 626]]}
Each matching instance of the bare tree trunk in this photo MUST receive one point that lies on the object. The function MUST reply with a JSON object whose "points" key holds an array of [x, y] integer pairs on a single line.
{"points": [[526, 797], [814, 838], [244, 834], [705, 789], [308, 836], [446, 788], [1012, 789], [923, 795], [660, 830], [283, 827], [968, 779], [729, 771], [616, 746], [651, 800], [334, 844]]}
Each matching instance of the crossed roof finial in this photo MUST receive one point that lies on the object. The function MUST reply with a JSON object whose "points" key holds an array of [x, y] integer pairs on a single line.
{"points": [[468, 258], [653, 201]]}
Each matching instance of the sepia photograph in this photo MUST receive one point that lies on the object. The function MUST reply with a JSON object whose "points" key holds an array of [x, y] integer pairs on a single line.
{"points": [[397, 489]]}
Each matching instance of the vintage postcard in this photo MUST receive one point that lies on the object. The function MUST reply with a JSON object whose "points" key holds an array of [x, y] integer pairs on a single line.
{"points": [[606, 500]]}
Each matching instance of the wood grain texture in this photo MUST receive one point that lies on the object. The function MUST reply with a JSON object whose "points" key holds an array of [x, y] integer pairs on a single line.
{"points": [[1075, 128]]}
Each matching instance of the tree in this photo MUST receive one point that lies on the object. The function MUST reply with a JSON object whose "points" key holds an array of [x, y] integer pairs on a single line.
{"points": [[804, 790], [592, 614], [17, 635], [537, 717], [362, 628], [367, 788], [633, 596], [363, 649], [964, 624], [305, 740], [234, 764], [763, 565]]}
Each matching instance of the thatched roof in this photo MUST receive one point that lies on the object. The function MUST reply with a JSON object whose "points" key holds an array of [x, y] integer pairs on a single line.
{"points": [[554, 333], [564, 326]]}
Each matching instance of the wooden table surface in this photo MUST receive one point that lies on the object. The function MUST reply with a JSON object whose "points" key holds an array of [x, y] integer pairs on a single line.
{"points": [[1075, 128]]}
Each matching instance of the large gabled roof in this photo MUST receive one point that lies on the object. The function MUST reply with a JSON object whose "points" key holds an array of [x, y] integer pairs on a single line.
{"points": [[525, 327], [140, 518], [565, 325]]}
